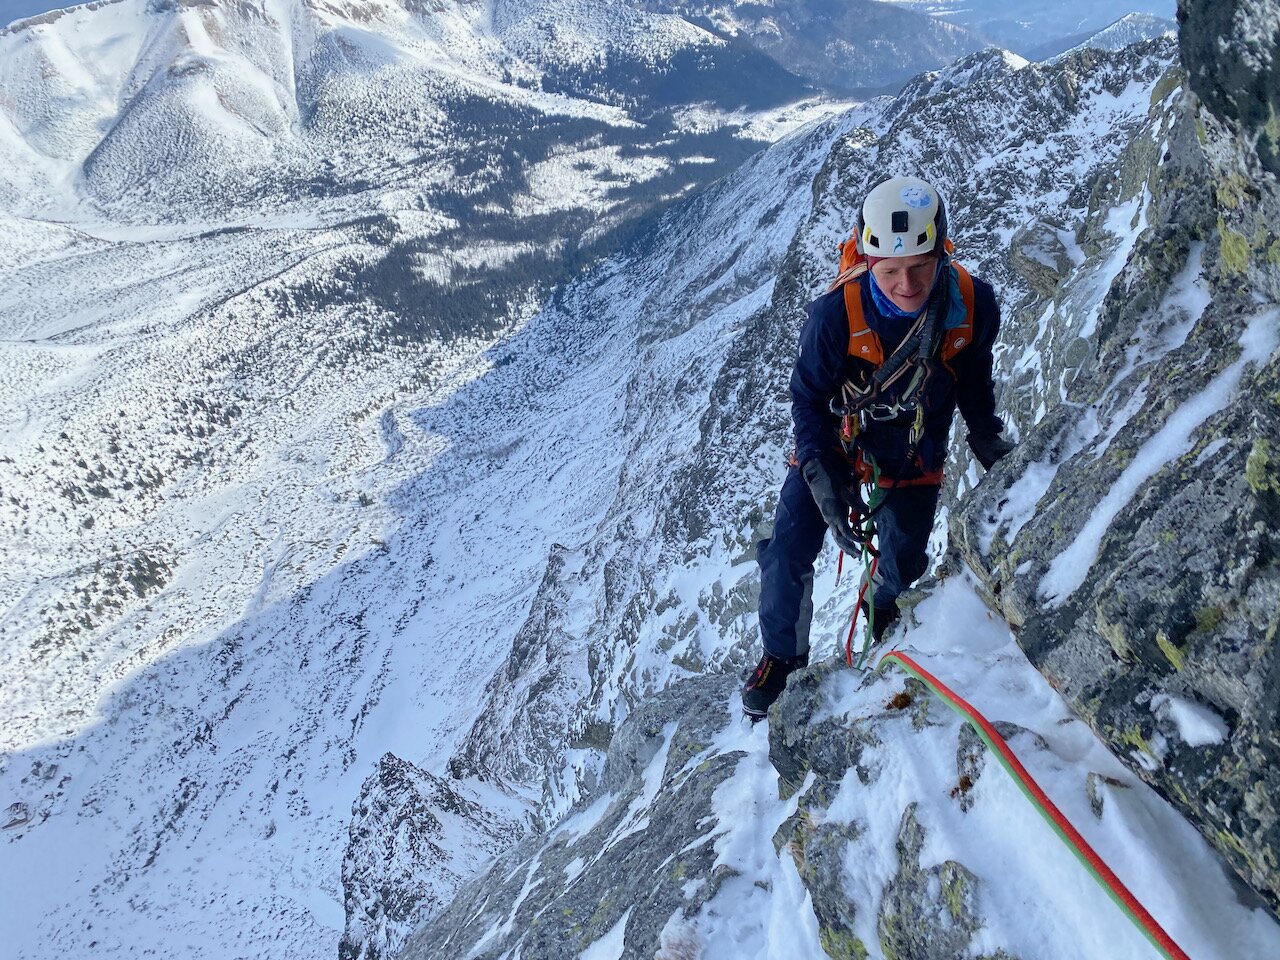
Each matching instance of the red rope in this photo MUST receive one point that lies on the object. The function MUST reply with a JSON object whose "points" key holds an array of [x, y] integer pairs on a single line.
{"points": [[848, 643], [1111, 883]]}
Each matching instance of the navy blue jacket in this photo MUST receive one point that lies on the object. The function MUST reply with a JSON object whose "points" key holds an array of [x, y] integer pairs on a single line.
{"points": [[823, 364]]}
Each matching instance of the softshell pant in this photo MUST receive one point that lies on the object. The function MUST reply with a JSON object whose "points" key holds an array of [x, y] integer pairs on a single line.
{"points": [[904, 522]]}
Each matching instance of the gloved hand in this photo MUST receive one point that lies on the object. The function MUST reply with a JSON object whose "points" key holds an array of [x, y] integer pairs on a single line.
{"points": [[990, 449], [832, 506]]}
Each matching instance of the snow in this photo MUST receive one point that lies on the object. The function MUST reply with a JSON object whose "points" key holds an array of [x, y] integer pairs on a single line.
{"points": [[583, 822], [1070, 567], [611, 945], [1196, 724], [1022, 499], [1168, 326], [574, 869], [334, 591], [636, 818], [763, 910], [1165, 330], [1037, 900], [1210, 450], [769, 125], [554, 184], [1125, 222]]}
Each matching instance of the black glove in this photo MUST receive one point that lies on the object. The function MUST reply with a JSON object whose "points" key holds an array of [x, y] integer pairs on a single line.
{"points": [[832, 506], [990, 448]]}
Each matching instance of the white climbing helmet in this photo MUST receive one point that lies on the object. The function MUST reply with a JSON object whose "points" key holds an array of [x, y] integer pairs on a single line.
{"points": [[902, 217]]}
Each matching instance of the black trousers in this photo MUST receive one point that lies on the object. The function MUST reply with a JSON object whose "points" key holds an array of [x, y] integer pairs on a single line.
{"points": [[904, 523]]}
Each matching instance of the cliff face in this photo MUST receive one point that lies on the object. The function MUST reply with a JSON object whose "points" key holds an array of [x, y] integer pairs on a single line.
{"points": [[1129, 542], [1085, 192], [1229, 52], [1132, 537]]}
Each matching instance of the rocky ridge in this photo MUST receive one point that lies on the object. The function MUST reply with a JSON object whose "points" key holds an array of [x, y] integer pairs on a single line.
{"points": [[1140, 567], [1122, 252], [1055, 143], [864, 820]]}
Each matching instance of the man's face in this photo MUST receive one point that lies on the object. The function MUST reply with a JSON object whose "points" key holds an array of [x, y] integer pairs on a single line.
{"points": [[907, 280]]}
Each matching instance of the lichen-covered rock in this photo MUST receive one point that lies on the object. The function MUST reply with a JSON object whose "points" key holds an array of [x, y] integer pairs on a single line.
{"points": [[1132, 537], [1041, 252], [927, 914], [1229, 47], [924, 913]]}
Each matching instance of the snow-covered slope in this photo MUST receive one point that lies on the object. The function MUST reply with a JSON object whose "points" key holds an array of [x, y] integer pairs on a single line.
{"points": [[863, 820], [1131, 28], [267, 524], [246, 559], [179, 109]]}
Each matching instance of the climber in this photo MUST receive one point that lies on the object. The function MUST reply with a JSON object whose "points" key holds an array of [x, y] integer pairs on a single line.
{"points": [[901, 339]]}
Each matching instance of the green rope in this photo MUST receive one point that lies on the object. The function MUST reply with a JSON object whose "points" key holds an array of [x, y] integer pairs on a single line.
{"points": [[876, 495], [1110, 884]]}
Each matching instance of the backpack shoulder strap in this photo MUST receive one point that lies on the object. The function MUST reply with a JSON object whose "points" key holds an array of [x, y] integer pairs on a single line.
{"points": [[960, 337], [863, 341]]}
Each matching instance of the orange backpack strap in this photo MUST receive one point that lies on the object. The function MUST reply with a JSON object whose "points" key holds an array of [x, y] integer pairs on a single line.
{"points": [[863, 341], [957, 339]]}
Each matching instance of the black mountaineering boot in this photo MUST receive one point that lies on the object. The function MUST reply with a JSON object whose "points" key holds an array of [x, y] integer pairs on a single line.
{"points": [[884, 618], [766, 682]]}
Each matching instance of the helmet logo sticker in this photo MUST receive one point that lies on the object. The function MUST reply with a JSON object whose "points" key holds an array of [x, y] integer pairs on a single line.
{"points": [[916, 197], [897, 245]]}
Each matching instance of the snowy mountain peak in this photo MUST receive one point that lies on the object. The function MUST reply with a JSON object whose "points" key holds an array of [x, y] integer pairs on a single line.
{"points": [[1131, 28]]}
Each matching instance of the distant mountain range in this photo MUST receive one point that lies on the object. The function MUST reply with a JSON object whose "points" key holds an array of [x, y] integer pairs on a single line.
{"points": [[1026, 28], [1128, 29], [851, 47]]}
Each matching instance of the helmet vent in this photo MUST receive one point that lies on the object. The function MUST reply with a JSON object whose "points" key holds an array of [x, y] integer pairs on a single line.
{"points": [[900, 221], [922, 239]]}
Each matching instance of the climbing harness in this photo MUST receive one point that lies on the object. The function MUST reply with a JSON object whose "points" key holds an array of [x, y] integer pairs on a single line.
{"points": [[1097, 868], [914, 356], [866, 396]]}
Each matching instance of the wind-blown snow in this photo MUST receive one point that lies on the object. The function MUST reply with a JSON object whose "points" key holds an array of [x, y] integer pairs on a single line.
{"points": [[611, 945], [1070, 567], [1196, 724]]}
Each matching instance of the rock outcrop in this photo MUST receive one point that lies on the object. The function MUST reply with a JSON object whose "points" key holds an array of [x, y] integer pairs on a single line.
{"points": [[413, 838], [1132, 538], [633, 854]]}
